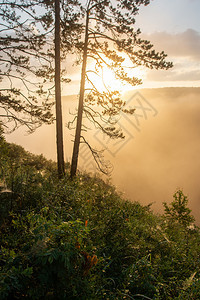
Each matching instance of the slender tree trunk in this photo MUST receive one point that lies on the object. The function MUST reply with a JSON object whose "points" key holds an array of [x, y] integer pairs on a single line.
{"points": [[59, 128], [80, 107]]}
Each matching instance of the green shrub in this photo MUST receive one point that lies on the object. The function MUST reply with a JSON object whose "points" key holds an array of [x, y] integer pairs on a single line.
{"points": [[78, 239]]}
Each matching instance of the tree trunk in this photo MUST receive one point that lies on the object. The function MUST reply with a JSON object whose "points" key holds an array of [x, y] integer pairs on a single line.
{"points": [[80, 107], [59, 128]]}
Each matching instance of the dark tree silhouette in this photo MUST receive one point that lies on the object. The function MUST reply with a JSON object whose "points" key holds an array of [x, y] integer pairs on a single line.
{"points": [[33, 42], [25, 66], [59, 127], [109, 35]]}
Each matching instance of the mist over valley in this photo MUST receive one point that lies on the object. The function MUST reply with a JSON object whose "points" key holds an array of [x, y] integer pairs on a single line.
{"points": [[159, 155]]}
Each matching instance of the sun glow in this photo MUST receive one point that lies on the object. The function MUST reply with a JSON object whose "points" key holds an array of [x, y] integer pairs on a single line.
{"points": [[106, 80]]}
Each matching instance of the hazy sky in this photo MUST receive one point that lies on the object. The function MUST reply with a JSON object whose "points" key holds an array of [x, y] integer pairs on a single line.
{"points": [[172, 26], [173, 16]]}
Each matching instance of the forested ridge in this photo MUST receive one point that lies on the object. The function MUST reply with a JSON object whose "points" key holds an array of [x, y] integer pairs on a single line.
{"points": [[79, 239]]}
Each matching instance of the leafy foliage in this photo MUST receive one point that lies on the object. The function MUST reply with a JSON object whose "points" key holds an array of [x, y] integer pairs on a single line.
{"points": [[65, 239]]}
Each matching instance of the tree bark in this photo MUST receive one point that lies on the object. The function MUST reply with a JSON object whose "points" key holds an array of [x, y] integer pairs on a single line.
{"points": [[80, 107], [59, 127]]}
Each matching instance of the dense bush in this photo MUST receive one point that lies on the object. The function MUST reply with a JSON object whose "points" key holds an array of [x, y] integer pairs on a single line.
{"points": [[64, 239]]}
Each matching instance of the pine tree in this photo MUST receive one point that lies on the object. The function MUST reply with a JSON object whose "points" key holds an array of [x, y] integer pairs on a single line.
{"points": [[25, 66], [33, 42], [109, 37], [59, 127]]}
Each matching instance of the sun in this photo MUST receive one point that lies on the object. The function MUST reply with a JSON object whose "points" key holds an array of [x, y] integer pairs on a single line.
{"points": [[106, 80]]}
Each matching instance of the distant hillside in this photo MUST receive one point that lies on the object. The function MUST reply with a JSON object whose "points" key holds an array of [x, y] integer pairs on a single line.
{"points": [[167, 92], [70, 98]]}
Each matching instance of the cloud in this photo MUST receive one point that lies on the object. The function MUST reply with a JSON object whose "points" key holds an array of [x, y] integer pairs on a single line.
{"points": [[185, 44], [183, 50]]}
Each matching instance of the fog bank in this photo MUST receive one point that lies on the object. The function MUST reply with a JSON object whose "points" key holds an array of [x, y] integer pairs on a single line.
{"points": [[159, 155]]}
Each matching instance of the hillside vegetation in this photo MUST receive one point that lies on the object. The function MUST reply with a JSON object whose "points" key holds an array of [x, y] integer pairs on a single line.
{"points": [[64, 239]]}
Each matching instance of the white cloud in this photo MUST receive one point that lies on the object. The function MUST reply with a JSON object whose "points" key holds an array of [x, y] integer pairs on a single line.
{"points": [[183, 50], [185, 44]]}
